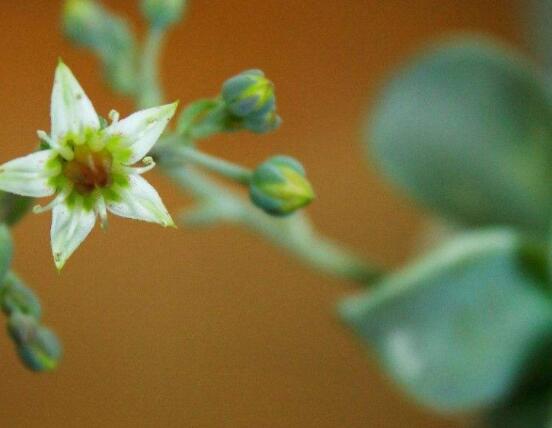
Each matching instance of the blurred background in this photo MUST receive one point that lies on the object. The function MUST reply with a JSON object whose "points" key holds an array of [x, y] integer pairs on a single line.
{"points": [[166, 328]]}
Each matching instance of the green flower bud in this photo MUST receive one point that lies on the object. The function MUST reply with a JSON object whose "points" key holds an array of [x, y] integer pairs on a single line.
{"points": [[83, 21], [16, 297], [263, 123], [163, 13], [86, 23], [250, 96], [37, 346], [279, 186], [13, 207]]}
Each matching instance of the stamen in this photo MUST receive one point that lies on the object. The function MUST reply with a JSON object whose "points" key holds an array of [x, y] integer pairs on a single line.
{"points": [[148, 163], [38, 209], [42, 135], [65, 152], [91, 164], [114, 116], [96, 143], [101, 210]]}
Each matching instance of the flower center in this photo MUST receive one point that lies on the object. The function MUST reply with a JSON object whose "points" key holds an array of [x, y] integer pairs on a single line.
{"points": [[89, 169]]}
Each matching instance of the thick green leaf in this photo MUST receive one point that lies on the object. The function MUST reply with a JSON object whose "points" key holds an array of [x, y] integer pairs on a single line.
{"points": [[539, 29], [530, 411], [467, 130], [458, 329]]}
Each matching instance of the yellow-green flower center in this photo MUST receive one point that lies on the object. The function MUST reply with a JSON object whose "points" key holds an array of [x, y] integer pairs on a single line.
{"points": [[90, 165], [89, 169]]}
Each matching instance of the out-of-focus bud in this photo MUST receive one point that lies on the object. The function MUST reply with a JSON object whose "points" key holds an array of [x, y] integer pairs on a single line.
{"points": [[16, 297], [87, 23], [279, 186], [82, 21], [250, 92], [37, 346], [13, 207], [163, 13]]}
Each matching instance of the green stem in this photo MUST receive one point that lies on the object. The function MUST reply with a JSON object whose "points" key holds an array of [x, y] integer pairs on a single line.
{"points": [[151, 93], [294, 233], [218, 203], [227, 169]]}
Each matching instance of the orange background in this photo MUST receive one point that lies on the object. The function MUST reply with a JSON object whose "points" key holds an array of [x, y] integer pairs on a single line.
{"points": [[166, 328]]}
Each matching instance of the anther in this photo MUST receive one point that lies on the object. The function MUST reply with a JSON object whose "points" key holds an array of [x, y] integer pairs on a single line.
{"points": [[148, 163], [114, 116]]}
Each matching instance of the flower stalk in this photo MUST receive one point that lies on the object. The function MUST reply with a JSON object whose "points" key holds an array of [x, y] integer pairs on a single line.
{"points": [[151, 93]]}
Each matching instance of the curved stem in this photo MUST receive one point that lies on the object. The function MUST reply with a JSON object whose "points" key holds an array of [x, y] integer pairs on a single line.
{"points": [[226, 169], [218, 203], [294, 233], [150, 93]]}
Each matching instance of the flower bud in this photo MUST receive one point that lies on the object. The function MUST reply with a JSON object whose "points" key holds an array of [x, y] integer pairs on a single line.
{"points": [[13, 207], [87, 23], [82, 21], [279, 186], [263, 123], [163, 13], [249, 96], [16, 297], [37, 346]]}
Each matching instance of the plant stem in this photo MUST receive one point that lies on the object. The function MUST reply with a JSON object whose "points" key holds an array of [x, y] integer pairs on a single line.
{"points": [[226, 169], [218, 203], [150, 93], [294, 233]]}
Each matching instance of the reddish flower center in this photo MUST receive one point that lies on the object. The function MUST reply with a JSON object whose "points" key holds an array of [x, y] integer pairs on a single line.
{"points": [[89, 170]]}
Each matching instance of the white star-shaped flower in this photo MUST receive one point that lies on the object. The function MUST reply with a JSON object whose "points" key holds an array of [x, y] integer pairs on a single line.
{"points": [[89, 167]]}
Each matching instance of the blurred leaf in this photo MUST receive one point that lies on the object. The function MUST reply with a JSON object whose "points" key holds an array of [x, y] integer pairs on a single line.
{"points": [[534, 411], [540, 30], [459, 328], [467, 129]]}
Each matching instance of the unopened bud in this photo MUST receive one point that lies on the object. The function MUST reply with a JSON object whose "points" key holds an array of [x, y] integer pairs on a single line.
{"points": [[16, 297], [248, 93], [83, 21], [279, 186], [163, 13], [263, 123], [13, 207], [87, 23], [37, 346]]}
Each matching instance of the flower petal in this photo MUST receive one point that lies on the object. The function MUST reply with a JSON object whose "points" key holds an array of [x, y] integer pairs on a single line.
{"points": [[71, 109], [70, 226], [141, 130], [28, 175], [140, 201]]}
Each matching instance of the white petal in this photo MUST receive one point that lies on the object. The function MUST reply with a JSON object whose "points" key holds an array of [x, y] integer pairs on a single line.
{"points": [[71, 110], [70, 226], [141, 130], [141, 202], [28, 175]]}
